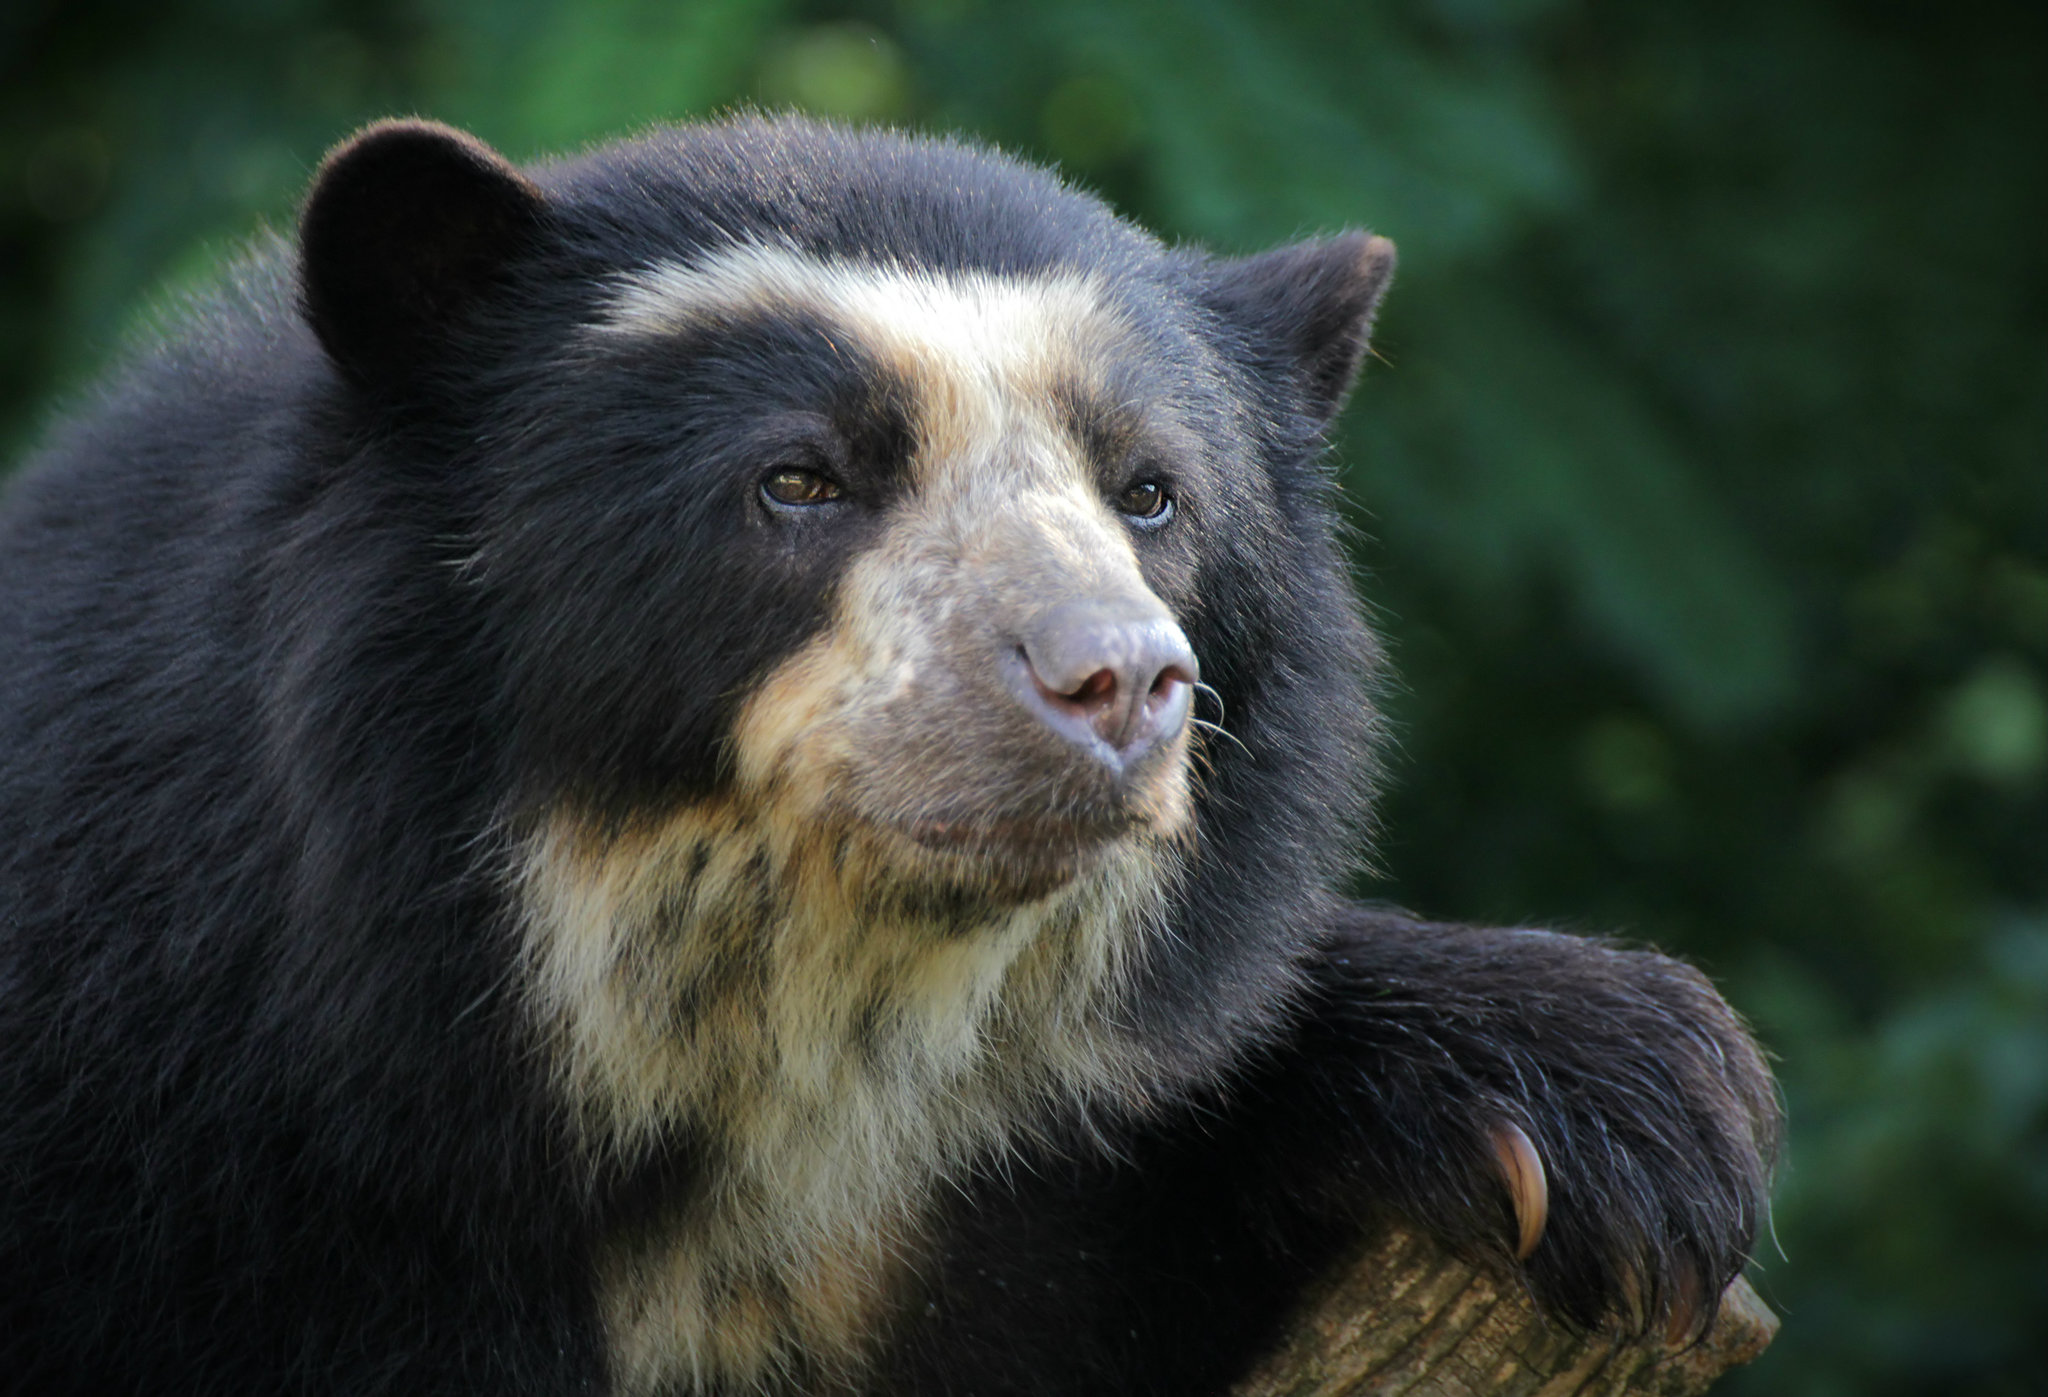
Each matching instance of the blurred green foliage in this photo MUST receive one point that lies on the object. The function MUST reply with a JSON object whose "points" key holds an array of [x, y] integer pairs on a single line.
{"points": [[1702, 486]]}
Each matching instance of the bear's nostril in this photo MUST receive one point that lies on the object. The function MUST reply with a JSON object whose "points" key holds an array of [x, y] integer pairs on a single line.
{"points": [[1094, 699], [1099, 687], [1168, 677]]}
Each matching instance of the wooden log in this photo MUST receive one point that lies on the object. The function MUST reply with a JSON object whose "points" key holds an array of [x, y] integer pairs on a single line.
{"points": [[1405, 1318]]}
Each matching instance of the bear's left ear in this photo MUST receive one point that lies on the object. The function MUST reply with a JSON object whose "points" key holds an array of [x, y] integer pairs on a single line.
{"points": [[408, 224], [1310, 307]]}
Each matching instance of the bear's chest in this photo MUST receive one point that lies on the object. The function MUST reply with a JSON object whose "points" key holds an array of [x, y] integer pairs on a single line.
{"points": [[827, 1053]]}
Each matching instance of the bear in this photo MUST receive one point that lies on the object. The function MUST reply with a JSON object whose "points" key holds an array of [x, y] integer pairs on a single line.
{"points": [[730, 765]]}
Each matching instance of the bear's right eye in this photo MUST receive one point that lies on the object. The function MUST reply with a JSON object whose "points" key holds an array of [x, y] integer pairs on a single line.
{"points": [[796, 488]]}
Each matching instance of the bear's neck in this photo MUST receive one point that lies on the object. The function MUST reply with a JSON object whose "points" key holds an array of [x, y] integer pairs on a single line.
{"points": [[826, 1043]]}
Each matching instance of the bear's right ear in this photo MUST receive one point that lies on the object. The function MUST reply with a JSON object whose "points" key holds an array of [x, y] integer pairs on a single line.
{"points": [[407, 225]]}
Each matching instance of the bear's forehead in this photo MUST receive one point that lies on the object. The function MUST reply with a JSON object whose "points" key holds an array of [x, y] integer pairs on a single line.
{"points": [[992, 357]]}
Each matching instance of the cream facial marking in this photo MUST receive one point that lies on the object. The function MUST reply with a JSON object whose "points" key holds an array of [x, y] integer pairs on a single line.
{"points": [[903, 938]]}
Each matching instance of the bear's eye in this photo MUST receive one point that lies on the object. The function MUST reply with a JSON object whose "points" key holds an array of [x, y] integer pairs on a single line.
{"points": [[795, 487], [1148, 504]]}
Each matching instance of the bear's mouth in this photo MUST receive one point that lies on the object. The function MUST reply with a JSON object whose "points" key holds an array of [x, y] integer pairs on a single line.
{"points": [[1025, 856]]}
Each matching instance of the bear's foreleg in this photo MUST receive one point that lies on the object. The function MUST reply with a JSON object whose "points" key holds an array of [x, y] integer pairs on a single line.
{"points": [[1598, 1115]]}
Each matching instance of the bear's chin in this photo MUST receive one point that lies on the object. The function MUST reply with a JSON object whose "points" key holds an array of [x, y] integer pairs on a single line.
{"points": [[1017, 858]]}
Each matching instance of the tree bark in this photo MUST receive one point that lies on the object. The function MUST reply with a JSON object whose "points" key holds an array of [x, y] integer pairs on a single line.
{"points": [[1406, 1318]]}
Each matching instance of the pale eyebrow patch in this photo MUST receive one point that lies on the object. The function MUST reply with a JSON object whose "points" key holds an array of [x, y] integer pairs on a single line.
{"points": [[1023, 332]]}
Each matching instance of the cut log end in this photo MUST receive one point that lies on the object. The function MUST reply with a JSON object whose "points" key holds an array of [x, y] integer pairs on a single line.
{"points": [[1405, 1317]]}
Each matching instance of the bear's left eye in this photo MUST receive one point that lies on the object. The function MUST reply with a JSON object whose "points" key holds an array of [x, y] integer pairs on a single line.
{"points": [[793, 486], [1147, 504]]}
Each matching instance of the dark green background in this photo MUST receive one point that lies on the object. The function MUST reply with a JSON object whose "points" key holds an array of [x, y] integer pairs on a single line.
{"points": [[1701, 485]]}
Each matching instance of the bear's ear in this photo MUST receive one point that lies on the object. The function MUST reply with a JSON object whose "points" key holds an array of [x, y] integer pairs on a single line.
{"points": [[407, 225], [1310, 305]]}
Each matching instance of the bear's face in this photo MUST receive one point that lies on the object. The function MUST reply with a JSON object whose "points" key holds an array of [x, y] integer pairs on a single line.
{"points": [[962, 512]]}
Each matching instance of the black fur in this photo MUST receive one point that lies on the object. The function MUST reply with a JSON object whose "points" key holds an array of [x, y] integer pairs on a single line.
{"points": [[319, 589]]}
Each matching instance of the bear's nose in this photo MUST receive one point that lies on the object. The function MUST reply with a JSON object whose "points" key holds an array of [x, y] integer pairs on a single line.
{"points": [[1115, 678]]}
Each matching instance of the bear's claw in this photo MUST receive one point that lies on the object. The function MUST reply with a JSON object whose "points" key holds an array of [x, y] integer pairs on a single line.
{"points": [[1522, 1170]]}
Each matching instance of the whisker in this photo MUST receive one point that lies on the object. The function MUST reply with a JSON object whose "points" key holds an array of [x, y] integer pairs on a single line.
{"points": [[1221, 731]]}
